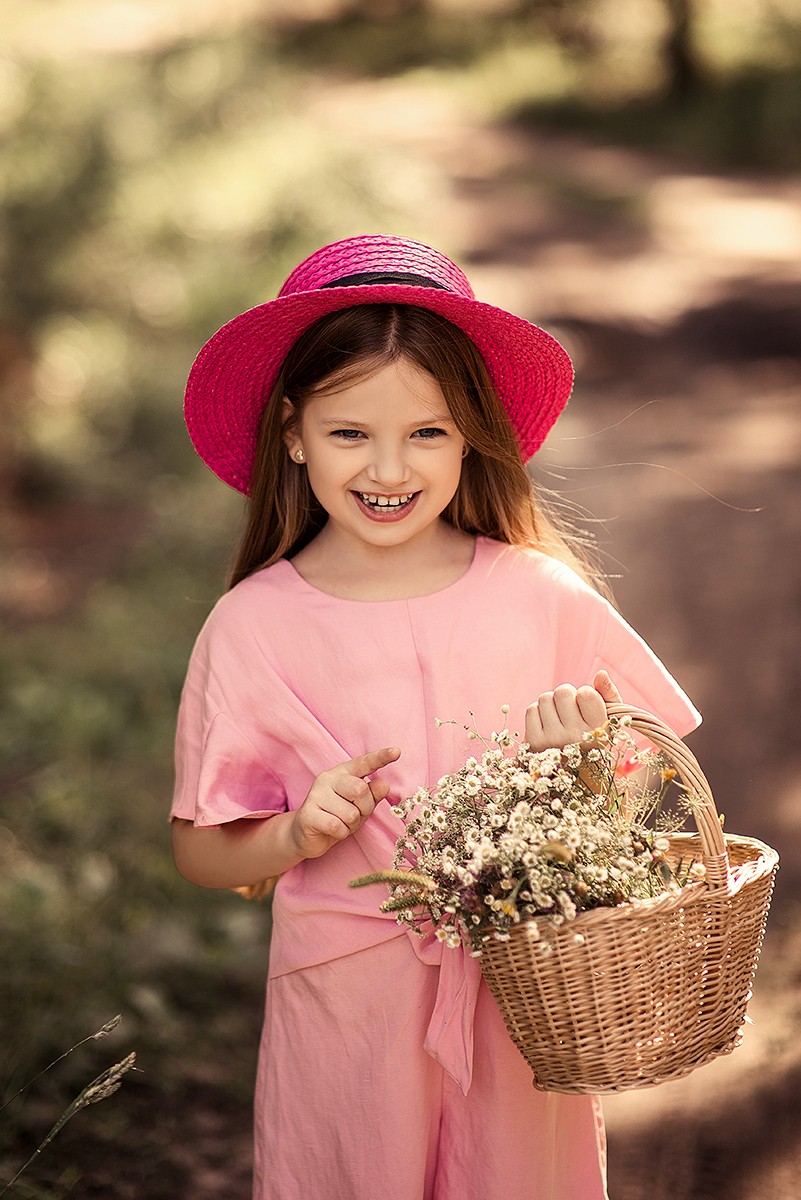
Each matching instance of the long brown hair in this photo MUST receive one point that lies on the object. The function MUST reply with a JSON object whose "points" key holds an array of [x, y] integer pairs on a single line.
{"points": [[495, 496]]}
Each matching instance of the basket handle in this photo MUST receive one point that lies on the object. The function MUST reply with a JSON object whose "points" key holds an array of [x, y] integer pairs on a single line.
{"points": [[705, 813]]}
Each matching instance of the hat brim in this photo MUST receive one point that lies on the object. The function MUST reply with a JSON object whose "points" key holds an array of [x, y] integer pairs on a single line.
{"points": [[233, 375]]}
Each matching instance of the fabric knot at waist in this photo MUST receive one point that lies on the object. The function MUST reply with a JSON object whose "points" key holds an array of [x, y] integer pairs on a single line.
{"points": [[449, 1037]]}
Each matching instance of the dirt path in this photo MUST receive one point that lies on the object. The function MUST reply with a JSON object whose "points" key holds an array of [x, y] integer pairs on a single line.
{"points": [[677, 292]]}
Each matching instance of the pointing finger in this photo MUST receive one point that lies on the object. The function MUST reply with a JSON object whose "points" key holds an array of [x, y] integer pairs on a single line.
{"points": [[374, 760]]}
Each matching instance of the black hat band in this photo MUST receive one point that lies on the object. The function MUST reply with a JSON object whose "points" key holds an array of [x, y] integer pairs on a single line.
{"points": [[364, 277]]}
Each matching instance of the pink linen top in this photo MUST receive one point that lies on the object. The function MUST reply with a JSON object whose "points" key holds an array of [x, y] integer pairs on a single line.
{"points": [[286, 681]]}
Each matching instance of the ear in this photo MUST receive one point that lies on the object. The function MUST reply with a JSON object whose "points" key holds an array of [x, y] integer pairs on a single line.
{"points": [[291, 433]]}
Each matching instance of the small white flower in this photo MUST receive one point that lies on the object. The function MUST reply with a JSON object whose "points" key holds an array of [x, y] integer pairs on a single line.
{"points": [[572, 755], [482, 830]]}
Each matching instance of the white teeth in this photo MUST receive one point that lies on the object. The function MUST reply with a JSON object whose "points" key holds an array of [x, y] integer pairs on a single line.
{"points": [[386, 501]]}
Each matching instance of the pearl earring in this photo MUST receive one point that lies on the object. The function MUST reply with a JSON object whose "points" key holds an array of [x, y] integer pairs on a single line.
{"points": [[299, 456]]}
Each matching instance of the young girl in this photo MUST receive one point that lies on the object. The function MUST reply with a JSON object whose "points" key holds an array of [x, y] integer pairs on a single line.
{"points": [[395, 569]]}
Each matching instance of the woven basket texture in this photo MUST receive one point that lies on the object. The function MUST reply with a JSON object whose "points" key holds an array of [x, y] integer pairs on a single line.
{"points": [[651, 991]]}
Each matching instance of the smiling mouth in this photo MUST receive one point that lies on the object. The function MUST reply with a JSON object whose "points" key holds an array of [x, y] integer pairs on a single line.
{"points": [[385, 508], [377, 501]]}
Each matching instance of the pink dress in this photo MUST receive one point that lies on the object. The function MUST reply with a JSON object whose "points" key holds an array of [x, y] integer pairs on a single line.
{"points": [[385, 1068]]}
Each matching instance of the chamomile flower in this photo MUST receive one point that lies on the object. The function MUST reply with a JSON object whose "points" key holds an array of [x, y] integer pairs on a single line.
{"points": [[517, 836]]}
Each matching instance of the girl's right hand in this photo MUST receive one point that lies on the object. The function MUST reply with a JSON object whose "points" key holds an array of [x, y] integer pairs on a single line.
{"points": [[339, 802]]}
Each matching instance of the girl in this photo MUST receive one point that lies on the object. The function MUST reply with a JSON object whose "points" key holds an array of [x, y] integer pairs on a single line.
{"points": [[395, 568]]}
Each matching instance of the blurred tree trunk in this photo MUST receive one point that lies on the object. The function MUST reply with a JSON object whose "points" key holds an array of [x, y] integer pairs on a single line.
{"points": [[684, 74], [17, 357], [568, 23]]}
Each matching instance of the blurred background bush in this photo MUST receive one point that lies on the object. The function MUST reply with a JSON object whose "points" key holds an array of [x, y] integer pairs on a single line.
{"points": [[625, 171]]}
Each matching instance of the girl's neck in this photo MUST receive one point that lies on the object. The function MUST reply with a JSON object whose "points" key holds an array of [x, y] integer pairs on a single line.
{"points": [[359, 572]]}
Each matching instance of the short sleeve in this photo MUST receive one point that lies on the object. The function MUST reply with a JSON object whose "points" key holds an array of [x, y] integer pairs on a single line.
{"points": [[641, 678], [593, 636], [227, 780], [222, 771]]}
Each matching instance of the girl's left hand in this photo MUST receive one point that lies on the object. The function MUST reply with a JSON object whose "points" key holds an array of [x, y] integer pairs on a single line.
{"points": [[567, 713]]}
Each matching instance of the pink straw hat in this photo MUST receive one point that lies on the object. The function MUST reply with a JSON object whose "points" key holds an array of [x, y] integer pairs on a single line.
{"points": [[234, 373]]}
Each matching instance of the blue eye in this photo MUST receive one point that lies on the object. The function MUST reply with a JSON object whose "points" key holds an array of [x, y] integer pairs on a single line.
{"points": [[347, 435], [428, 435]]}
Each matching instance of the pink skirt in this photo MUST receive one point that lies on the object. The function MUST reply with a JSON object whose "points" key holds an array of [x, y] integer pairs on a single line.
{"points": [[349, 1106]]}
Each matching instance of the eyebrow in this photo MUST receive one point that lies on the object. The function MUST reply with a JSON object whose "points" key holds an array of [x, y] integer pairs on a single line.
{"points": [[342, 423]]}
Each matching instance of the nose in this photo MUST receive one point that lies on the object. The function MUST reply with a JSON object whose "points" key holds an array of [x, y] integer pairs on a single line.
{"points": [[389, 467]]}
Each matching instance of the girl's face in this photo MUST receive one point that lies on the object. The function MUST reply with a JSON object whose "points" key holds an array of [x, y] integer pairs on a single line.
{"points": [[383, 455]]}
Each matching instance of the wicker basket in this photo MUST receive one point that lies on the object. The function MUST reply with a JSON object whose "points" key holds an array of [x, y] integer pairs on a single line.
{"points": [[654, 990]]}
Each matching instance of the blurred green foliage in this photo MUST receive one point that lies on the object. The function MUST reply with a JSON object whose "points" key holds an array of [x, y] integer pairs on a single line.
{"points": [[146, 197], [751, 119]]}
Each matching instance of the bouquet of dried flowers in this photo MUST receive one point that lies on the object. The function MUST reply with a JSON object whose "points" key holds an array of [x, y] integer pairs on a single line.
{"points": [[515, 835]]}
